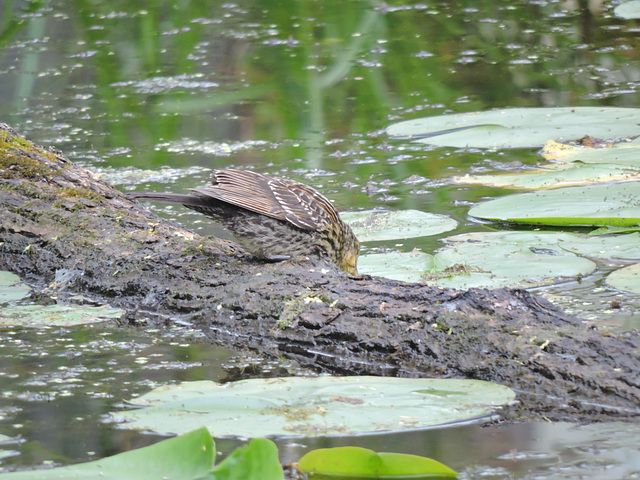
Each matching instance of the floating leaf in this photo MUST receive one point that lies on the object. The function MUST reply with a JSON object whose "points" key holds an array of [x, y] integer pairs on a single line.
{"points": [[497, 259], [627, 153], [313, 406], [494, 260], [371, 226], [606, 230], [571, 175], [11, 288], [58, 315], [187, 457], [403, 266], [350, 462], [519, 127], [612, 247], [627, 278], [628, 10], [616, 205]]}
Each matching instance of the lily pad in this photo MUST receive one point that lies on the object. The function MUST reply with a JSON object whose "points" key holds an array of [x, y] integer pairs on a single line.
{"points": [[56, 315], [626, 153], [628, 10], [371, 226], [403, 266], [610, 247], [519, 127], [11, 288], [626, 279], [298, 406], [597, 205], [507, 263], [498, 259], [569, 175], [357, 462]]}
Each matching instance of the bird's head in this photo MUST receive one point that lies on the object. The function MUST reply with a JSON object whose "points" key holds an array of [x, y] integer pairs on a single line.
{"points": [[348, 257]]}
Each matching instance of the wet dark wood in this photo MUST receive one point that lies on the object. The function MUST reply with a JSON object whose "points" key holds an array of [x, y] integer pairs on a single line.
{"points": [[68, 233]]}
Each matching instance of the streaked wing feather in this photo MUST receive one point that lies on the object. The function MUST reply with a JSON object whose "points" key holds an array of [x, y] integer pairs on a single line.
{"points": [[244, 189], [305, 207], [274, 197]]}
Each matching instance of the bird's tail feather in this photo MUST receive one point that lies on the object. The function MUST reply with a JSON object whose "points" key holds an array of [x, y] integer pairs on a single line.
{"points": [[187, 200]]}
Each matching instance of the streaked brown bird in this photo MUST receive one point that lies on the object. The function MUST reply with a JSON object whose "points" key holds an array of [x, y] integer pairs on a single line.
{"points": [[271, 217]]}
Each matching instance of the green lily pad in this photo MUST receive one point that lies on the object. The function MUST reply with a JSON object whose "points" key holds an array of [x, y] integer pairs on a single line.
{"points": [[520, 263], [565, 176], [182, 458], [626, 279], [498, 259], [11, 288], [372, 226], [628, 10], [298, 406], [519, 127], [56, 315], [610, 247], [597, 205], [403, 266], [350, 462]]}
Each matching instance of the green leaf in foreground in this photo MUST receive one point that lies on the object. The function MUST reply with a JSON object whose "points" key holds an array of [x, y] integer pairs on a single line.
{"points": [[371, 226], [315, 406], [187, 457], [519, 127], [356, 462], [256, 461], [11, 288], [597, 205]]}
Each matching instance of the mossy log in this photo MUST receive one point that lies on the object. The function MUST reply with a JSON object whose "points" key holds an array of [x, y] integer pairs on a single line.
{"points": [[67, 233]]}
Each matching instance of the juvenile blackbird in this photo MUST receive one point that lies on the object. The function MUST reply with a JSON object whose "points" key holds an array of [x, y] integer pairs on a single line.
{"points": [[271, 217]]}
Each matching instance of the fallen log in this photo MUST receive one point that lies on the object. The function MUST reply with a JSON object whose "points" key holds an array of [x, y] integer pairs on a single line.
{"points": [[66, 233]]}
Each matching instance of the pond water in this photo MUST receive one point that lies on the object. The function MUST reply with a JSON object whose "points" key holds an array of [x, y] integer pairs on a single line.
{"points": [[153, 96]]}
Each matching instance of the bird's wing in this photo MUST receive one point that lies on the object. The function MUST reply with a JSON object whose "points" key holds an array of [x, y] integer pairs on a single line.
{"points": [[274, 197], [306, 208]]}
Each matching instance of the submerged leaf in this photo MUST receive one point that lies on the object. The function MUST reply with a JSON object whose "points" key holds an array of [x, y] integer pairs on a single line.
{"points": [[57, 315]]}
